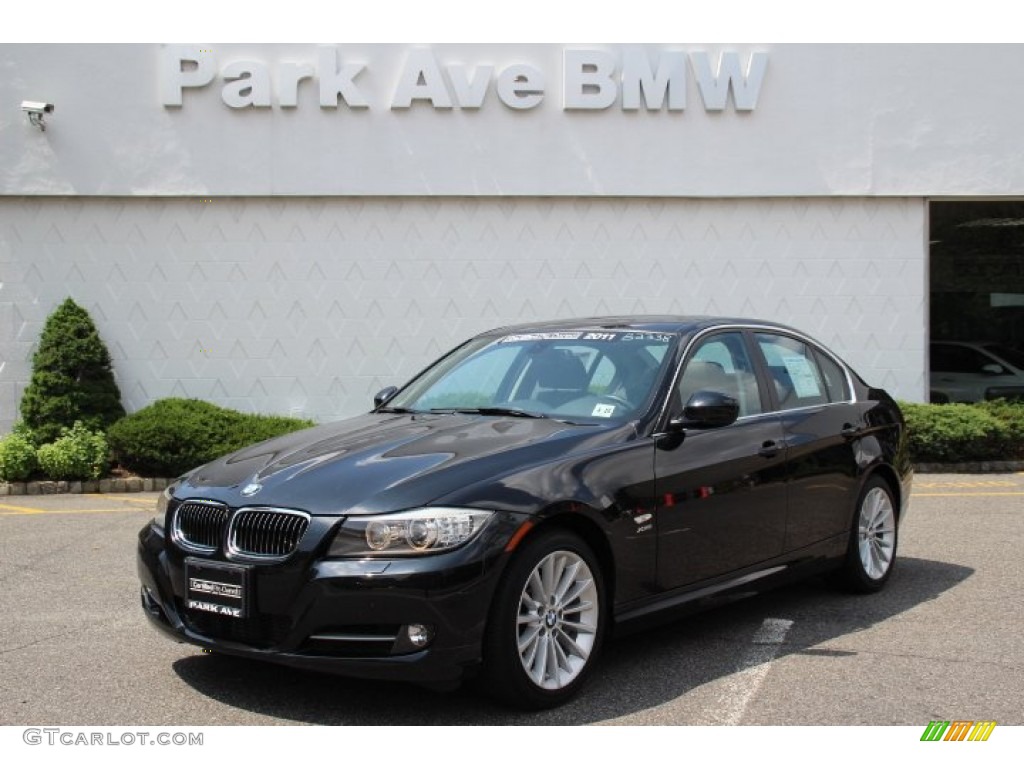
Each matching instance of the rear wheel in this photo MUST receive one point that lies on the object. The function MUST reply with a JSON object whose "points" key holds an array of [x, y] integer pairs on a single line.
{"points": [[547, 623], [871, 553]]}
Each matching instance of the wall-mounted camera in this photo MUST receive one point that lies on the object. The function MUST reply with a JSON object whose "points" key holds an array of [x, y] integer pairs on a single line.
{"points": [[36, 110]]}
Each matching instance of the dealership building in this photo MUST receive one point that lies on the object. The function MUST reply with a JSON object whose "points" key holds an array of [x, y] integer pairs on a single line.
{"points": [[290, 228]]}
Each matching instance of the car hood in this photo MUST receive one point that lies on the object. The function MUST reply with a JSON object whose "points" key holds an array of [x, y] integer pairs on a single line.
{"points": [[383, 462]]}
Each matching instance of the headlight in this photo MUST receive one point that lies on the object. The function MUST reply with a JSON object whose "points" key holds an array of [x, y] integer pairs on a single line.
{"points": [[416, 532], [161, 506]]}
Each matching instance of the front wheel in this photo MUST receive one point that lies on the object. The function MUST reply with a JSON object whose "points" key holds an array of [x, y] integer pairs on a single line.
{"points": [[547, 623], [871, 553]]}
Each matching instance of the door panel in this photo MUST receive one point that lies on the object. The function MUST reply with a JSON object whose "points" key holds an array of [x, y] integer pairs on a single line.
{"points": [[821, 427], [823, 472], [721, 491], [722, 500]]}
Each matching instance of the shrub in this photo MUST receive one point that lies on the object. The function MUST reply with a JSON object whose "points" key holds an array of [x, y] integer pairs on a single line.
{"points": [[1011, 413], [173, 435], [72, 379], [957, 432], [17, 454], [79, 454]]}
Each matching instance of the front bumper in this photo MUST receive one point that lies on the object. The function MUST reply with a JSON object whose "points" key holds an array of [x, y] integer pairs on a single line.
{"points": [[341, 616]]}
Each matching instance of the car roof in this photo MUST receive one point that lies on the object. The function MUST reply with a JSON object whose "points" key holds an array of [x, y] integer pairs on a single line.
{"points": [[654, 323]]}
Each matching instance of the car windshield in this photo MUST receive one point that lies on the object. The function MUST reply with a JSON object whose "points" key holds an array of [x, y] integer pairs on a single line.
{"points": [[579, 375]]}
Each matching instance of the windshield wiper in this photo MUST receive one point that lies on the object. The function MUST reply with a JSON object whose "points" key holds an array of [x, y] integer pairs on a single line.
{"points": [[491, 410], [387, 409]]}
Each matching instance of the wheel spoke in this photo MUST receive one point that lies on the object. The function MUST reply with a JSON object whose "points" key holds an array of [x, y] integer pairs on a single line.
{"points": [[551, 667], [540, 662], [566, 582], [548, 570], [528, 640], [529, 603], [579, 626], [536, 589], [573, 646], [561, 659], [577, 589]]}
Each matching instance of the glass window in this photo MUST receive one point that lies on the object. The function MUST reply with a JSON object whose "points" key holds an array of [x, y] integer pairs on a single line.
{"points": [[952, 358], [793, 371], [720, 363], [835, 378], [474, 383], [593, 375]]}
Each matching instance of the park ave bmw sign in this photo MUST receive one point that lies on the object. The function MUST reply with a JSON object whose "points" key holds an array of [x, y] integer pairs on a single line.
{"points": [[634, 77]]}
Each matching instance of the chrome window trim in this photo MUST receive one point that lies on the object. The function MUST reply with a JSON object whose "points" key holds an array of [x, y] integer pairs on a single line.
{"points": [[178, 537], [755, 328], [234, 553]]}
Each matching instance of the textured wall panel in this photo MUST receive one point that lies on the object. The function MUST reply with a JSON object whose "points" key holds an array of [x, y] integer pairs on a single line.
{"points": [[309, 306]]}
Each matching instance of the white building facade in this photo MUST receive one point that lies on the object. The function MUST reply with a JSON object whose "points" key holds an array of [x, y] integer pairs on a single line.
{"points": [[287, 229]]}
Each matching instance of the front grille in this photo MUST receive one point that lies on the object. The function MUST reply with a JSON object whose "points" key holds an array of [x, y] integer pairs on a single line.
{"points": [[265, 533], [199, 525]]}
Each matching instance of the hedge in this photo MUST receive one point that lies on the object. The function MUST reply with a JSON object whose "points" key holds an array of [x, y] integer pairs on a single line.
{"points": [[173, 435], [961, 432]]}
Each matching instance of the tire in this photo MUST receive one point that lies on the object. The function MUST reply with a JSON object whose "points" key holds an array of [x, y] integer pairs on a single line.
{"points": [[547, 623], [871, 553]]}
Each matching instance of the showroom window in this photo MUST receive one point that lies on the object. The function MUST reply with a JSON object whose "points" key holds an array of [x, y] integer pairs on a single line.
{"points": [[976, 265]]}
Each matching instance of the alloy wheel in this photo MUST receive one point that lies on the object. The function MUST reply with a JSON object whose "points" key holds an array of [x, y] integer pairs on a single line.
{"points": [[558, 620], [876, 533]]}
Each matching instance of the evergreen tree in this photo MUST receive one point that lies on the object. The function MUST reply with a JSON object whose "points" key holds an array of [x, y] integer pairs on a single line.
{"points": [[72, 379]]}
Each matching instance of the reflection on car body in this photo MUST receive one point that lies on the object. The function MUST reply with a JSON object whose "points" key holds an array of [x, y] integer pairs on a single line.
{"points": [[532, 490]]}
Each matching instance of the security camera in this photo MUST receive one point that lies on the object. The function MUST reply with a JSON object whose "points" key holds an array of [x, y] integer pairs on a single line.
{"points": [[36, 110], [36, 106]]}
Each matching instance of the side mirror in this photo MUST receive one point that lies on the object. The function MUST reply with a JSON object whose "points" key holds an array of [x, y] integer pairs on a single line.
{"points": [[383, 396], [707, 409], [993, 369]]}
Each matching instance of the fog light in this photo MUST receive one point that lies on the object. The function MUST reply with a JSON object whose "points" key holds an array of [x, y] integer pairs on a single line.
{"points": [[420, 635]]}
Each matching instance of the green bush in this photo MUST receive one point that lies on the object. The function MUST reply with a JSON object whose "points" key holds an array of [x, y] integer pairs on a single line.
{"points": [[17, 454], [958, 432], [173, 435], [72, 379], [79, 454]]}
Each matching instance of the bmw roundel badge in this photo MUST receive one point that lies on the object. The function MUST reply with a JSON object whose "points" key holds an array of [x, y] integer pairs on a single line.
{"points": [[252, 489]]}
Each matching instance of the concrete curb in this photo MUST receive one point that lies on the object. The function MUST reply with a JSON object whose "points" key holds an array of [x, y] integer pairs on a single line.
{"points": [[107, 485]]}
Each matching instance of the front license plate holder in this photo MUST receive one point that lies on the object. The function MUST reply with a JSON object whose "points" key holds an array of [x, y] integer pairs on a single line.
{"points": [[217, 588]]}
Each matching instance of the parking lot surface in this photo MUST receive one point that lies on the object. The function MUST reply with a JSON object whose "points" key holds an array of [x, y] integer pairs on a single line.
{"points": [[943, 641]]}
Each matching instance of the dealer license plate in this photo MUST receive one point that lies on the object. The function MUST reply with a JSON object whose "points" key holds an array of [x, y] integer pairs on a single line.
{"points": [[217, 588]]}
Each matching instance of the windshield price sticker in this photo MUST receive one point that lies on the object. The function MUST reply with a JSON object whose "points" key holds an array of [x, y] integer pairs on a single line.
{"points": [[603, 410]]}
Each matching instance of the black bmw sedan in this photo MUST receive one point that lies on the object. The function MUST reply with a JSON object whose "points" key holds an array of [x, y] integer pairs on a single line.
{"points": [[529, 492]]}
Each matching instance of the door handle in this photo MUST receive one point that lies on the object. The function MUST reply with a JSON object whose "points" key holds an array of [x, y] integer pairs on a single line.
{"points": [[769, 449], [849, 431]]}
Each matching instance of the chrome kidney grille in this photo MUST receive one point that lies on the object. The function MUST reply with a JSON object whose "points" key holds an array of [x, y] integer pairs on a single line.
{"points": [[199, 526], [248, 533], [266, 533]]}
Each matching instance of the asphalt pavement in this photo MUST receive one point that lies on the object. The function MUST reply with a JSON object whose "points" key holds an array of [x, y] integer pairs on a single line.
{"points": [[942, 641]]}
